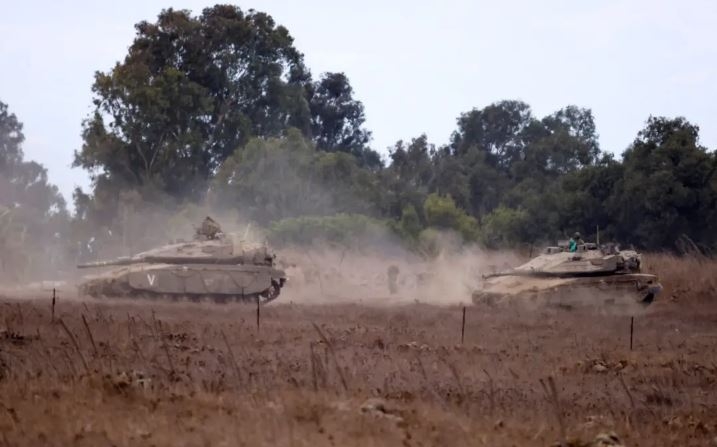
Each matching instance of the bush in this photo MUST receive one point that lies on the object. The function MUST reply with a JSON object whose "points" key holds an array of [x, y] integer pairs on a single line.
{"points": [[442, 213], [409, 227], [505, 227]]}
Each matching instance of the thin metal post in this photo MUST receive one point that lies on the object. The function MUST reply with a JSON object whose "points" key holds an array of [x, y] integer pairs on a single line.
{"points": [[53, 305], [597, 236], [258, 314], [463, 325], [632, 327]]}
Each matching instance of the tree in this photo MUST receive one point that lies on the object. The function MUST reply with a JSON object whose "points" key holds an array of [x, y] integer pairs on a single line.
{"points": [[495, 130], [408, 178], [503, 155], [337, 119], [667, 189], [11, 139], [476, 169], [32, 211], [585, 199], [23, 184], [190, 91], [556, 145], [577, 125]]}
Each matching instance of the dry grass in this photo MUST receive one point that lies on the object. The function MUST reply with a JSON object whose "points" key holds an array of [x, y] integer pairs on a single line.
{"points": [[690, 279], [138, 373]]}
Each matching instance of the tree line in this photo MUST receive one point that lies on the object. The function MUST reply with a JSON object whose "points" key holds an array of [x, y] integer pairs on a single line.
{"points": [[219, 110]]}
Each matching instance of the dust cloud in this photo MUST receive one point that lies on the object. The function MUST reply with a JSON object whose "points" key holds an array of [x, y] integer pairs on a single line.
{"points": [[373, 269], [322, 274]]}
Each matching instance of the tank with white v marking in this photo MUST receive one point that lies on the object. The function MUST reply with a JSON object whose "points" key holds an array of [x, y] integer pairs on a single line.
{"points": [[214, 266]]}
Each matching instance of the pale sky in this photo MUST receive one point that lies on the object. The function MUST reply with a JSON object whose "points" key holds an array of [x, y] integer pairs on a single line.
{"points": [[415, 65]]}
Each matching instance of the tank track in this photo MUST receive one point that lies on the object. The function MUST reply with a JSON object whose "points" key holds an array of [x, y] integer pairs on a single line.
{"points": [[119, 290], [569, 296]]}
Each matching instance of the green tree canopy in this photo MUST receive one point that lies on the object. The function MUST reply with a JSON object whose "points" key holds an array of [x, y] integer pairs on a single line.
{"points": [[408, 178], [442, 213], [668, 186], [337, 119], [506, 227], [192, 90]]}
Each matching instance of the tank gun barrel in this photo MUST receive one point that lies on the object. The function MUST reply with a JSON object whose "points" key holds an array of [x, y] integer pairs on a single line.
{"points": [[531, 273], [224, 260], [115, 262], [556, 274], [516, 273], [155, 259]]}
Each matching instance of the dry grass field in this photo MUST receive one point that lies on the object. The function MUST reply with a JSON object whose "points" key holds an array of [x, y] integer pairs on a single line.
{"points": [[168, 374]]}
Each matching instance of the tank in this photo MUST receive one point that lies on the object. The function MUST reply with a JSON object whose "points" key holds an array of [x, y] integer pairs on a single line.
{"points": [[213, 266], [592, 275]]}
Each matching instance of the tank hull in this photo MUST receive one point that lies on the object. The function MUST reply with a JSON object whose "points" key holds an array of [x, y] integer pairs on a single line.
{"points": [[214, 266], [195, 282], [628, 288]]}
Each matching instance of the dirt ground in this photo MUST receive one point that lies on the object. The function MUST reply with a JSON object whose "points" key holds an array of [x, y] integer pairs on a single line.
{"points": [[160, 373]]}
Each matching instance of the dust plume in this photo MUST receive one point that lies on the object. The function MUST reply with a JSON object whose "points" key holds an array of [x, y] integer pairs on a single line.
{"points": [[325, 274]]}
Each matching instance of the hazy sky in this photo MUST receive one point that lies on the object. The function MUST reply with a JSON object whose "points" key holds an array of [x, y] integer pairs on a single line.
{"points": [[415, 65]]}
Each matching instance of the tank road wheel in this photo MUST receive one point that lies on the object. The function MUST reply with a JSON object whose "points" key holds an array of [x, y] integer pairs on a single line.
{"points": [[648, 299], [271, 293], [648, 291]]}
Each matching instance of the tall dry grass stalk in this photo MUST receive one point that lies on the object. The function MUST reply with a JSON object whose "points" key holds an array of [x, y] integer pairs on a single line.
{"points": [[689, 279]]}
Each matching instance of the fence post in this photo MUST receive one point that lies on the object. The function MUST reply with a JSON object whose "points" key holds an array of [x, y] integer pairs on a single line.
{"points": [[463, 325], [53, 306], [258, 313]]}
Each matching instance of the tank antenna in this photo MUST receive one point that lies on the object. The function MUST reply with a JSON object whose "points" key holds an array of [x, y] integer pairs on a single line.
{"points": [[246, 232], [597, 236]]}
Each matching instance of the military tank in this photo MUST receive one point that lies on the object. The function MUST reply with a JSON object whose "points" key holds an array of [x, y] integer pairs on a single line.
{"points": [[591, 274], [213, 266]]}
